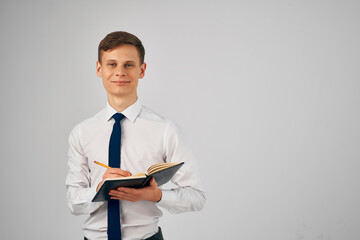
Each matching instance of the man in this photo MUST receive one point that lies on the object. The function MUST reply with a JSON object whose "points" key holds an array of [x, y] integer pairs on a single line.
{"points": [[143, 139]]}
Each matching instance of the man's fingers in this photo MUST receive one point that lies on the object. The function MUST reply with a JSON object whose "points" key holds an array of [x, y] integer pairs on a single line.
{"points": [[123, 195], [120, 191], [119, 171], [153, 183], [116, 172]]}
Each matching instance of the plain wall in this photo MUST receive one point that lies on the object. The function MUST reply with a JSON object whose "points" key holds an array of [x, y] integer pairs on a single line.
{"points": [[266, 92]]}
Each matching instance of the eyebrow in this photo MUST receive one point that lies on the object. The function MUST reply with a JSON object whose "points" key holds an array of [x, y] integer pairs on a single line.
{"points": [[127, 61]]}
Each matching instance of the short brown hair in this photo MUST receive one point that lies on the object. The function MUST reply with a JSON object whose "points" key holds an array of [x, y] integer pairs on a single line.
{"points": [[116, 39]]}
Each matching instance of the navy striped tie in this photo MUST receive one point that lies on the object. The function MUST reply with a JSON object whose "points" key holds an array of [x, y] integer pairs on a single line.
{"points": [[114, 227]]}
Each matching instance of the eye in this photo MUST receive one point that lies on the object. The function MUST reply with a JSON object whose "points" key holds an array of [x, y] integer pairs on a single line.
{"points": [[112, 64], [129, 65]]}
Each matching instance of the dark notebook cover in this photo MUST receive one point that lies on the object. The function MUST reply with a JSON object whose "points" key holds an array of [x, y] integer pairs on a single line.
{"points": [[161, 177]]}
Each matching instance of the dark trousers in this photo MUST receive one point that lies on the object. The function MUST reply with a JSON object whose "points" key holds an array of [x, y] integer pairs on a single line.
{"points": [[157, 236]]}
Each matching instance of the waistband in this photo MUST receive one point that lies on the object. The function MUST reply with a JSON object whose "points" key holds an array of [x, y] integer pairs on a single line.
{"points": [[156, 236]]}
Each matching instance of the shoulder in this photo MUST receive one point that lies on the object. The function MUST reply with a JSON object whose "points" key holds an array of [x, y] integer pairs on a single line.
{"points": [[157, 121], [89, 124], [151, 116]]}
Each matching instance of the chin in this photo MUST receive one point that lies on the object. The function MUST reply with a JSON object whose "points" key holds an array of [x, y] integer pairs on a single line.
{"points": [[121, 94]]}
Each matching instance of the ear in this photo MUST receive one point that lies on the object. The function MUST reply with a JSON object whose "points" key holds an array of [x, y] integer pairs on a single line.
{"points": [[142, 69], [98, 69]]}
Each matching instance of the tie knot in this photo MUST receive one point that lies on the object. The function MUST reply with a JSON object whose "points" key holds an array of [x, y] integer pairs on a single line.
{"points": [[118, 117]]}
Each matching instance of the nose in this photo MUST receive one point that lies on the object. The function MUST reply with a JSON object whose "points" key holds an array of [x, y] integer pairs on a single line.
{"points": [[120, 71]]}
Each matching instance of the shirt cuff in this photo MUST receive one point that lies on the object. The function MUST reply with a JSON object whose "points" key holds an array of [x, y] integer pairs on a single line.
{"points": [[93, 206], [167, 199], [92, 193]]}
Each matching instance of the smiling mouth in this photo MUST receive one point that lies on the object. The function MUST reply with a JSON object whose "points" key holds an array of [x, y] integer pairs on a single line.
{"points": [[120, 82]]}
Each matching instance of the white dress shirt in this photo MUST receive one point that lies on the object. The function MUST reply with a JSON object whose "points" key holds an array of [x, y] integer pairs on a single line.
{"points": [[146, 139]]}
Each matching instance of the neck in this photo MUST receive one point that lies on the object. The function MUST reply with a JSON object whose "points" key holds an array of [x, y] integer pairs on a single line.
{"points": [[120, 104]]}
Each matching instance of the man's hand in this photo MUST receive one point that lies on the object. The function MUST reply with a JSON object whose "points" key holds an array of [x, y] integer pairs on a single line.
{"points": [[113, 173], [151, 193]]}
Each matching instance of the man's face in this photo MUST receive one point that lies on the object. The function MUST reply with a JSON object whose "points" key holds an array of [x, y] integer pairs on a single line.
{"points": [[120, 71]]}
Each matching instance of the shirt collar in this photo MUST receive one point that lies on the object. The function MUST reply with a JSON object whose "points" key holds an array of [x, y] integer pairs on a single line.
{"points": [[131, 112]]}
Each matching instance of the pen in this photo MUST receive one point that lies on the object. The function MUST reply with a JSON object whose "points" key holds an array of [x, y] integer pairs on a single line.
{"points": [[101, 164]]}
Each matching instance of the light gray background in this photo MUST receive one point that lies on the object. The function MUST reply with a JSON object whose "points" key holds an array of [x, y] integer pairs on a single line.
{"points": [[266, 92]]}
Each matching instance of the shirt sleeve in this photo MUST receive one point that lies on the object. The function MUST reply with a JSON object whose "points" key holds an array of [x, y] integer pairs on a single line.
{"points": [[78, 184], [189, 194]]}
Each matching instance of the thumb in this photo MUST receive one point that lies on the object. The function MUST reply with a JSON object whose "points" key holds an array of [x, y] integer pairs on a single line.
{"points": [[153, 182]]}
